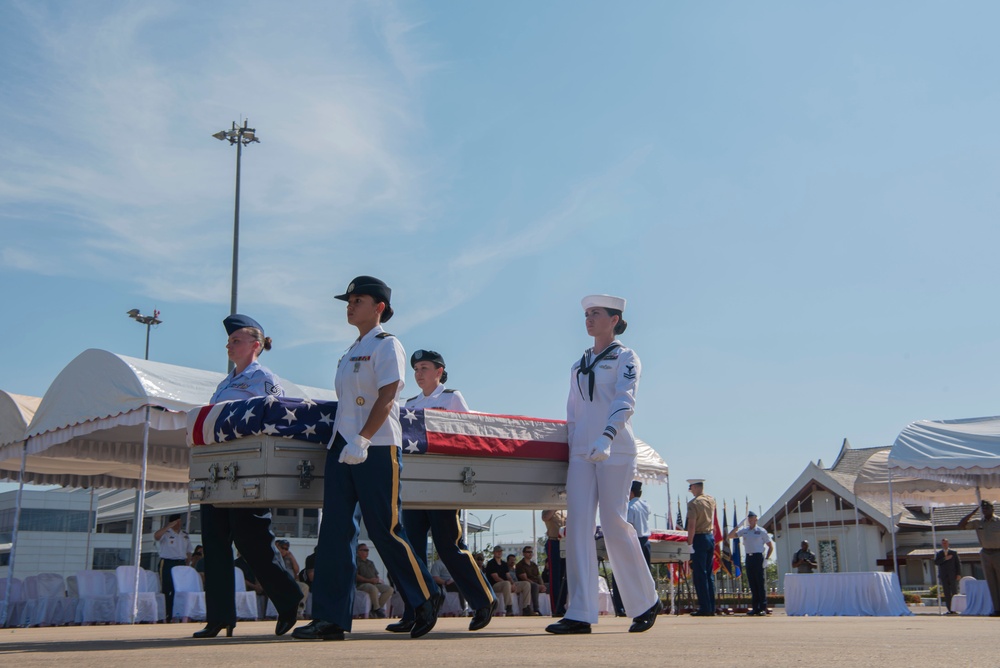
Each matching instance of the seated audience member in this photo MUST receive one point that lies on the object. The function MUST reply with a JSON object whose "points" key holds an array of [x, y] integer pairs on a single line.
{"points": [[442, 578], [368, 581], [292, 566], [198, 562], [527, 571], [501, 578], [248, 575], [306, 574]]}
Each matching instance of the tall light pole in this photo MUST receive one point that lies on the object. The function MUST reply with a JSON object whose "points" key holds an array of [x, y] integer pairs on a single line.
{"points": [[241, 136], [493, 528], [147, 320]]}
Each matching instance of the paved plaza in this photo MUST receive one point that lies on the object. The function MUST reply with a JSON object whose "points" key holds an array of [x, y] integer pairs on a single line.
{"points": [[924, 639]]}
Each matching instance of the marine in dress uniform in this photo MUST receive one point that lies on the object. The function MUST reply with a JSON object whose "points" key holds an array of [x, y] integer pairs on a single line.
{"points": [[248, 528], [755, 542], [988, 532], [555, 523], [175, 549], [444, 524], [362, 469], [701, 537], [602, 457]]}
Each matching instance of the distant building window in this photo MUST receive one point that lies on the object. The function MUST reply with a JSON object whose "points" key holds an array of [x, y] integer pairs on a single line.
{"points": [[5, 559], [110, 558], [44, 519], [829, 559]]}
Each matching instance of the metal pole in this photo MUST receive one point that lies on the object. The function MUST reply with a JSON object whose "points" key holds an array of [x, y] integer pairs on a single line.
{"points": [[236, 226], [91, 523], [892, 529], [148, 326], [139, 512], [933, 548], [857, 532]]}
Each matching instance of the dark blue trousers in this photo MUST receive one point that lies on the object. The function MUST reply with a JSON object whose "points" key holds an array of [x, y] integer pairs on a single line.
{"points": [[250, 529], [446, 530], [557, 577], [374, 486], [701, 572], [755, 578]]}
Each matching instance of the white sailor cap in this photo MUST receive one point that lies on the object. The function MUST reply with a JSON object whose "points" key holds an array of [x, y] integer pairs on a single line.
{"points": [[696, 481], [604, 301]]}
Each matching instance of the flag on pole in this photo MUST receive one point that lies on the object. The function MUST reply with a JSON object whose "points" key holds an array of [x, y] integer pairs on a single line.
{"points": [[727, 555], [680, 519], [717, 535], [737, 559]]}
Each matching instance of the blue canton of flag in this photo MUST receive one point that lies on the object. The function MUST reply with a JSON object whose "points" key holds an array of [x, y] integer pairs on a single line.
{"points": [[301, 419], [414, 431]]}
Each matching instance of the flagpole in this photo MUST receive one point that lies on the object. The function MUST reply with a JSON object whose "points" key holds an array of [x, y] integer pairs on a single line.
{"points": [[788, 539]]}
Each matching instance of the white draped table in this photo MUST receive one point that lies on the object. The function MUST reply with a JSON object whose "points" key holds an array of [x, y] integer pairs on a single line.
{"points": [[844, 594], [977, 598]]}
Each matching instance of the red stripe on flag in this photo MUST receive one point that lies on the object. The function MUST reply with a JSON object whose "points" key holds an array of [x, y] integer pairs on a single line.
{"points": [[470, 445], [196, 432]]}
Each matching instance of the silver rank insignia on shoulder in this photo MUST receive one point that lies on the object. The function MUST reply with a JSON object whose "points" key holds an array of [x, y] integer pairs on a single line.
{"points": [[360, 401]]}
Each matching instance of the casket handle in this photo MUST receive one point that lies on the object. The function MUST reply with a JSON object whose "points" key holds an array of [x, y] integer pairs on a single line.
{"points": [[231, 472], [468, 480], [213, 472], [305, 469]]}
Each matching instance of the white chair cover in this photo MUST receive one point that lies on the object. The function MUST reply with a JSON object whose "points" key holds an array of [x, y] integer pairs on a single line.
{"points": [[45, 600], [545, 605], [246, 601], [452, 606], [97, 591], [604, 603], [362, 605], [16, 611], [148, 603], [189, 595]]}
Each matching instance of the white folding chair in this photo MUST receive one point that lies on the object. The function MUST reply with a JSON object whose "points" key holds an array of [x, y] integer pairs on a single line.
{"points": [[246, 601], [362, 605], [45, 600], [148, 604], [189, 595], [15, 611], [604, 603], [97, 591]]}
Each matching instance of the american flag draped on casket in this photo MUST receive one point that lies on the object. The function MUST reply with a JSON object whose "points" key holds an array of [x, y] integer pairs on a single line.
{"points": [[428, 431]]}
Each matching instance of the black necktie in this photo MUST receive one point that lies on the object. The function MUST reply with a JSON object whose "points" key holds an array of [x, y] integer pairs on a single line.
{"points": [[588, 369]]}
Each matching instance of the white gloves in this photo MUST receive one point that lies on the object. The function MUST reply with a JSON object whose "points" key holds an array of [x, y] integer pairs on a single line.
{"points": [[600, 450], [356, 450]]}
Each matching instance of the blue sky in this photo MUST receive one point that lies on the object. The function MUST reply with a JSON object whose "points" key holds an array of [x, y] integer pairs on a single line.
{"points": [[799, 201]]}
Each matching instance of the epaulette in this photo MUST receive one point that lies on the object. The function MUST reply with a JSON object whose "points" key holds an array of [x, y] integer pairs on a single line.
{"points": [[448, 391], [412, 399], [383, 335]]}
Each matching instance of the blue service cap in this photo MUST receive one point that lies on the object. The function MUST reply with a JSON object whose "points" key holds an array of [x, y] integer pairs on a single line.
{"points": [[426, 356], [236, 322], [369, 285], [751, 514]]}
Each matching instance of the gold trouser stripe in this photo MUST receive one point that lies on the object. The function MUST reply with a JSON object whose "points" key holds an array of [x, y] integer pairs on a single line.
{"points": [[394, 456], [475, 567]]}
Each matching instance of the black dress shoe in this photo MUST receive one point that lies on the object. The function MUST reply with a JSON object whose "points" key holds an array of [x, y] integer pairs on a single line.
{"points": [[426, 615], [699, 613], [286, 622], [482, 616], [566, 626], [645, 621], [317, 629], [402, 626], [212, 630]]}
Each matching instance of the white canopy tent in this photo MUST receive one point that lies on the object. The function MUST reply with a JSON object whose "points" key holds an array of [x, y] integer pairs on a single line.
{"points": [[649, 465], [937, 462], [114, 421]]}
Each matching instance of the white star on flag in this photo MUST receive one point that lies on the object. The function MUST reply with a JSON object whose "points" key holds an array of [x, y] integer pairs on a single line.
{"points": [[325, 419], [413, 446], [221, 436], [410, 415], [308, 402], [310, 430], [270, 429], [290, 416], [270, 399], [248, 414], [231, 415]]}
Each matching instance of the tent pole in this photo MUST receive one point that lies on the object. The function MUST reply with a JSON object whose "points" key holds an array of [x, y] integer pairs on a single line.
{"points": [[934, 547], [5, 611], [815, 511], [892, 529], [91, 523], [140, 504], [857, 532]]}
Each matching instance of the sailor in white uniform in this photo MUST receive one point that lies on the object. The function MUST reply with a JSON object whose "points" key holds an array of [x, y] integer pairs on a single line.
{"points": [[602, 458]]}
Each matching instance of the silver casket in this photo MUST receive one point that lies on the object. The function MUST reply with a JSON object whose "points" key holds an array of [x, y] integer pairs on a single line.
{"points": [[271, 452]]}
